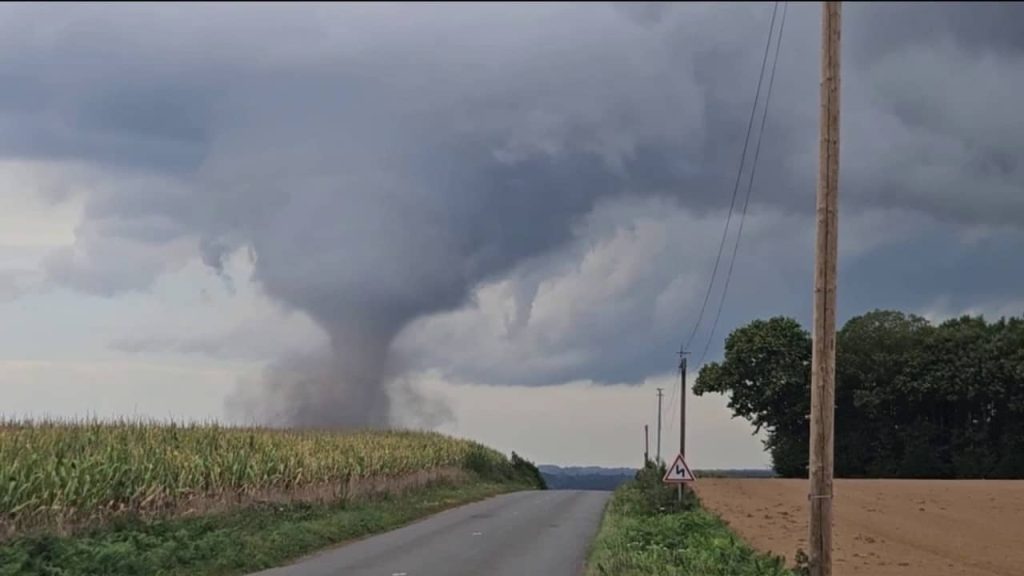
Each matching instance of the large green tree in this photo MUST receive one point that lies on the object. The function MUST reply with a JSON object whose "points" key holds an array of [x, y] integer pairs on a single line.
{"points": [[873, 355], [765, 374], [912, 399]]}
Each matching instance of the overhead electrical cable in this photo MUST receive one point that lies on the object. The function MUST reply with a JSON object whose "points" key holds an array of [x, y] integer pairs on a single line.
{"points": [[732, 202], [750, 187], [736, 186]]}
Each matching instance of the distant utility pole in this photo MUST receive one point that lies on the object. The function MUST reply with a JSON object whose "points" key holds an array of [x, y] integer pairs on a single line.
{"points": [[659, 423], [647, 446], [823, 359]]}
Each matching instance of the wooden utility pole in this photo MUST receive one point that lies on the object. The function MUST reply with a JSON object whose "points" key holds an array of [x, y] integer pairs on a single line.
{"points": [[647, 446], [682, 403], [659, 424], [823, 360], [682, 412]]}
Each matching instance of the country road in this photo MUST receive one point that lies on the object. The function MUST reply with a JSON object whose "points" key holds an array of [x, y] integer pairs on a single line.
{"points": [[536, 533]]}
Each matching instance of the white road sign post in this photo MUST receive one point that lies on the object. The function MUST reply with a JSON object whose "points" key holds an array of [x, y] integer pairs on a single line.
{"points": [[678, 472]]}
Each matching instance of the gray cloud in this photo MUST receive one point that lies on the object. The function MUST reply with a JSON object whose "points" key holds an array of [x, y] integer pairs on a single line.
{"points": [[16, 282], [382, 161], [613, 306], [644, 13]]}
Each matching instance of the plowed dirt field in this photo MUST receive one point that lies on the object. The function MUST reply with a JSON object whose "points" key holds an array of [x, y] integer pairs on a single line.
{"points": [[885, 527]]}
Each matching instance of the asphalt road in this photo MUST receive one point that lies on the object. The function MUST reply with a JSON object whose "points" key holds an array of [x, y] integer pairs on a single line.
{"points": [[537, 533]]}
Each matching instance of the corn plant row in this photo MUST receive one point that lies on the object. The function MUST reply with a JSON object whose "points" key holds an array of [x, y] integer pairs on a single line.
{"points": [[65, 469]]}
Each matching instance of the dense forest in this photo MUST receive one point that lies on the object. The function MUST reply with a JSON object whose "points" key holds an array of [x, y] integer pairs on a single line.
{"points": [[913, 399]]}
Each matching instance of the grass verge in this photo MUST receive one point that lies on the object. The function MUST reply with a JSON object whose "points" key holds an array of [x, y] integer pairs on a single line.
{"points": [[231, 543], [645, 532]]}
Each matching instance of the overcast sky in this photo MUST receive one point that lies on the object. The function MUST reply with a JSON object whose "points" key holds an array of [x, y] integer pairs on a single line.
{"points": [[494, 220]]}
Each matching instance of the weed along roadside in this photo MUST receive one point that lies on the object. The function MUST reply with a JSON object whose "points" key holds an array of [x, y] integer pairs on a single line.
{"points": [[202, 514], [647, 531]]}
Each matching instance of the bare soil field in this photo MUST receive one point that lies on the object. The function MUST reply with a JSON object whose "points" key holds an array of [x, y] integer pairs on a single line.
{"points": [[885, 527]]}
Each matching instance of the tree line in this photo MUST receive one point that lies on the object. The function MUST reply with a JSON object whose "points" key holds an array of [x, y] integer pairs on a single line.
{"points": [[913, 399]]}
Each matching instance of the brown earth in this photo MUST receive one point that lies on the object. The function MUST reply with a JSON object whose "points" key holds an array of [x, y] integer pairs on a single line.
{"points": [[885, 527]]}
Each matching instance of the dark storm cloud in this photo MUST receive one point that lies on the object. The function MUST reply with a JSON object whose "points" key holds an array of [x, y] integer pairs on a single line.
{"points": [[985, 26], [644, 13], [381, 161]]}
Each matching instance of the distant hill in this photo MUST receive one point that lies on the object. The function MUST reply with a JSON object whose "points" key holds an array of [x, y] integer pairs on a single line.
{"points": [[741, 473], [585, 470], [585, 477], [598, 478]]}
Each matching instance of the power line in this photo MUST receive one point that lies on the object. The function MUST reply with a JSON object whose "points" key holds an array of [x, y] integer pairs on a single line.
{"points": [[732, 204], [736, 186], [750, 185]]}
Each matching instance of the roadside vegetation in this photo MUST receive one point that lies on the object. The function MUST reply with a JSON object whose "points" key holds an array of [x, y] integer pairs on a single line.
{"points": [[647, 532], [139, 498]]}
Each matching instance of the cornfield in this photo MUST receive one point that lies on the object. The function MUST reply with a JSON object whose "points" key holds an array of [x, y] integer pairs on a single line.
{"points": [[60, 472]]}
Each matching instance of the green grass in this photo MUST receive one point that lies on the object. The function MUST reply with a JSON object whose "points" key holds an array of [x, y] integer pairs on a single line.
{"points": [[646, 533], [225, 544]]}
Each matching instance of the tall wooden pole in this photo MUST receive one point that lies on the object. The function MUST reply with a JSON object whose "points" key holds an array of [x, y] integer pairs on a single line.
{"points": [[682, 403], [823, 362], [647, 446], [682, 414], [659, 425]]}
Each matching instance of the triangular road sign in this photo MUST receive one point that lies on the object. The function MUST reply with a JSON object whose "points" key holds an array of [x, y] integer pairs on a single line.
{"points": [[678, 472]]}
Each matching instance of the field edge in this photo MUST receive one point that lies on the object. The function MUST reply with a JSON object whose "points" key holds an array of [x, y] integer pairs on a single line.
{"points": [[233, 542]]}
